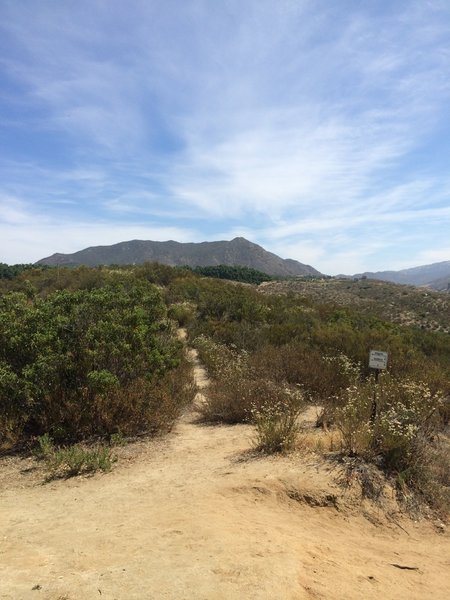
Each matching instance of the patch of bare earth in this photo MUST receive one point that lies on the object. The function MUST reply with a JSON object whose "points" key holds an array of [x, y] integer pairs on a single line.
{"points": [[197, 516]]}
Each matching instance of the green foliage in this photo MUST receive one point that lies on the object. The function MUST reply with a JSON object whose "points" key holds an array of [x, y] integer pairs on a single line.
{"points": [[161, 274], [43, 280], [219, 301], [183, 313], [67, 462], [234, 273], [86, 362], [92, 352], [45, 447], [117, 439], [73, 460], [11, 271]]}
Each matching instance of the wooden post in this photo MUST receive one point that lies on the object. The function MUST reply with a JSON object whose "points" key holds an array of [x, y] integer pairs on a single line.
{"points": [[377, 361], [373, 414]]}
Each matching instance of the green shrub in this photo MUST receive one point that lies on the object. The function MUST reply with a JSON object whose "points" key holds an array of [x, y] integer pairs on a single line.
{"points": [[74, 460], [234, 273], [117, 439], [160, 274], [45, 446], [146, 406], [88, 362], [12, 271], [13, 404], [183, 313]]}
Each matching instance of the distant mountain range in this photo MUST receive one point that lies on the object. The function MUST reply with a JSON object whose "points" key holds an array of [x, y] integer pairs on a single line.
{"points": [[435, 276], [238, 251]]}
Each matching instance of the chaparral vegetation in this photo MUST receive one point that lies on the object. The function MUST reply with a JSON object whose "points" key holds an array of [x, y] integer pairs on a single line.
{"points": [[91, 353]]}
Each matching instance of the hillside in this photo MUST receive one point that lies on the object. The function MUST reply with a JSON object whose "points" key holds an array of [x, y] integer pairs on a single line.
{"points": [[442, 284], [435, 276], [238, 251], [402, 304]]}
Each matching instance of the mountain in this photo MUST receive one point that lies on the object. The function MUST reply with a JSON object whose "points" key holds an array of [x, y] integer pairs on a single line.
{"points": [[236, 252], [442, 284], [435, 276]]}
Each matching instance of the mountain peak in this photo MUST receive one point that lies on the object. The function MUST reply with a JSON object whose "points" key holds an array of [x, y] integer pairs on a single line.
{"points": [[238, 251]]}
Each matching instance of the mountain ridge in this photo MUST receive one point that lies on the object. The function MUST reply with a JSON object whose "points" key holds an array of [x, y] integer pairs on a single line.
{"points": [[236, 252], [434, 275]]}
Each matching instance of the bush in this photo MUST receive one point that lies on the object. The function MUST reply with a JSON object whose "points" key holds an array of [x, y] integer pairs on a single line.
{"points": [[395, 423], [353, 419], [73, 460], [233, 392], [215, 356], [322, 377], [183, 313], [234, 273], [67, 462], [404, 410], [89, 362], [275, 418], [45, 447], [143, 406], [240, 394]]}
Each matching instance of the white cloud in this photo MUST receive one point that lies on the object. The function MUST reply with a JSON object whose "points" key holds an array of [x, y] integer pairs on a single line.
{"points": [[26, 236], [32, 242], [295, 122], [12, 211], [433, 255]]}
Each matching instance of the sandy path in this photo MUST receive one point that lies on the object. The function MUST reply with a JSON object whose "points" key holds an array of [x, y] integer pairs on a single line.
{"points": [[195, 518]]}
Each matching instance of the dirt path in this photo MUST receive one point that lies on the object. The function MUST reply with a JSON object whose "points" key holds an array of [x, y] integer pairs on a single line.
{"points": [[195, 517]]}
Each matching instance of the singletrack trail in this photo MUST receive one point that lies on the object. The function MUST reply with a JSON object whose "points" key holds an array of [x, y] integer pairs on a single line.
{"points": [[196, 516]]}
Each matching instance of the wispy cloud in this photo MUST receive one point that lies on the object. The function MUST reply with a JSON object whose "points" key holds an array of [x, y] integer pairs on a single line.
{"points": [[316, 129], [27, 236]]}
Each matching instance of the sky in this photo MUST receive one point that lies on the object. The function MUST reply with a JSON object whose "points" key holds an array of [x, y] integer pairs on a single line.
{"points": [[317, 129]]}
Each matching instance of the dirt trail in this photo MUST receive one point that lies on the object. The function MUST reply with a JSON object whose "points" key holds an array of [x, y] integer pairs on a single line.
{"points": [[195, 517]]}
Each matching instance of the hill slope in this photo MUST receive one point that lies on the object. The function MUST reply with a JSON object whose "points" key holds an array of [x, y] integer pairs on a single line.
{"points": [[238, 251], [436, 275], [406, 305]]}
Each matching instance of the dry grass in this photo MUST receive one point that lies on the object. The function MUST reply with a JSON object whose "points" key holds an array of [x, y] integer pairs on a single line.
{"points": [[319, 441]]}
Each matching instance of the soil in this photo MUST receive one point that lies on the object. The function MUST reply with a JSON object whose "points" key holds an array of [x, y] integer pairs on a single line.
{"points": [[198, 516]]}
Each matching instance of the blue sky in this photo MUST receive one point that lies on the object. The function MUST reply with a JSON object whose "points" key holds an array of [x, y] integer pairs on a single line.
{"points": [[318, 129]]}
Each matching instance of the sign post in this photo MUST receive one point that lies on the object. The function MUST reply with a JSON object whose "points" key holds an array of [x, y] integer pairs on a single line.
{"points": [[378, 361]]}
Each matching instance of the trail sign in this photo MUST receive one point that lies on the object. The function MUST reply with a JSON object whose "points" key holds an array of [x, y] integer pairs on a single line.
{"points": [[378, 359]]}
